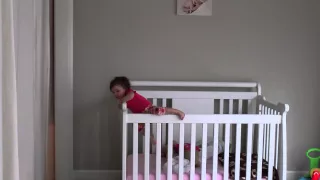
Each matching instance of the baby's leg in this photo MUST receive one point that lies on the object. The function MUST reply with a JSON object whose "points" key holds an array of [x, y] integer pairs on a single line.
{"points": [[141, 128], [153, 140], [142, 131]]}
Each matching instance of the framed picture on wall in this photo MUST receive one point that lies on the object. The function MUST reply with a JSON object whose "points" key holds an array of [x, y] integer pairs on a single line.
{"points": [[194, 7]]}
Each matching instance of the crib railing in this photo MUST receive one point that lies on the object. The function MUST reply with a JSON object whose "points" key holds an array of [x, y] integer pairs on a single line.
{"points": [[277, 136], [268, 121]]}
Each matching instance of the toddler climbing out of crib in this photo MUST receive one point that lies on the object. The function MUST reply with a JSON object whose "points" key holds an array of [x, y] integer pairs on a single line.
{"points": [[121, 88]]}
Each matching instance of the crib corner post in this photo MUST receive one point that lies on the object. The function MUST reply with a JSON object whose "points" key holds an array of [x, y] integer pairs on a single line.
{"points": [[124, 140], [283, 144]]}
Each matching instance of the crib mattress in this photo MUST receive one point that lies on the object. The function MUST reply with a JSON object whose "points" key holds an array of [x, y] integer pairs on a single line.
{"points": [[175, 176]]}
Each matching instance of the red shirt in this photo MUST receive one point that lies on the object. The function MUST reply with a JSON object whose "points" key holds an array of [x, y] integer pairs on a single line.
{"points": [[138, 103]]}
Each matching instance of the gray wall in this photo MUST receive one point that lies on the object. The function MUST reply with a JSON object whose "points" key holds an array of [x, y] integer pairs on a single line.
{"points": [[274, 42]]}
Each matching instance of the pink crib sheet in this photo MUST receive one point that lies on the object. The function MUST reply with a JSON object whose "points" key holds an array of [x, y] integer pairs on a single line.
{"points": [[175, 176]]}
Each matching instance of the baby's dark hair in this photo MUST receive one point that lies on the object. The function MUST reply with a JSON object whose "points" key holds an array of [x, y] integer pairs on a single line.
{"points": [[122, 81]]}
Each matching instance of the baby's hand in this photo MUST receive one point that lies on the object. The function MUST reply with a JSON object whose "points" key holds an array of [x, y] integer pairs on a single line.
{"points": [[181, 115]]}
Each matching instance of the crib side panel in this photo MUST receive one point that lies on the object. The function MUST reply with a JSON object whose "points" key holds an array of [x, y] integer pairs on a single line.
{"points": [[272, 135], [275, 138], [204, 121]]}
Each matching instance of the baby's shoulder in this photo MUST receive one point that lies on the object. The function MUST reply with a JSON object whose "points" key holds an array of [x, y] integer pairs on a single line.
{"points": [[130, 91], [137, 95]]}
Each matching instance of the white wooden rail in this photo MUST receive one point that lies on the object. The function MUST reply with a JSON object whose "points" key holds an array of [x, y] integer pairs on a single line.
{"points": [[205, 119], [196, 84], [198, 95]]}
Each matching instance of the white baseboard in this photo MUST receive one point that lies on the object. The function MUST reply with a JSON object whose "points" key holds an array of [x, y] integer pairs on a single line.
{"points": [[116, 175]]}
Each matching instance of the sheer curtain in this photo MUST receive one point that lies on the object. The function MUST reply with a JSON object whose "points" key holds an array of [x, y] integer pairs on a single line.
{"points": [[9, 155], [24, 88]]}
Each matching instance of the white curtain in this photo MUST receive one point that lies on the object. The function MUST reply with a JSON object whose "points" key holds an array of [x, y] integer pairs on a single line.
{"points": [[24, 88], [10, 161]]}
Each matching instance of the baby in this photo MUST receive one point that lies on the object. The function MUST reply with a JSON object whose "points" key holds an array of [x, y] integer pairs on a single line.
{"points": [[121, 88]]}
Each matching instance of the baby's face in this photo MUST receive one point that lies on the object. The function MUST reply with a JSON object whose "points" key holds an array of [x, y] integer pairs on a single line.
{"points": [[118, 91]]}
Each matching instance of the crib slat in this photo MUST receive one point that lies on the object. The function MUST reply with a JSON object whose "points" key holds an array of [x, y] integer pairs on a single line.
{"points": [[204, 152], [259, 168], [221, 112], [135, 151], [231, 128], [240, 106], [193, 147], [268, 137], [269, 111], [238, 145], [251, 111], [124, 146], [249, 106], [164, 126], [154, 101], [255, 140], [213, 108], [264, 135], [237, 174], [153, 127], [226, 152], [164, 102], [181, 151], [170, 145], [240, 111], [215, 152], [249, 148], [158, 153], [231, 106], [221, 106], [271, 151], [146, 151], [277, 144]]}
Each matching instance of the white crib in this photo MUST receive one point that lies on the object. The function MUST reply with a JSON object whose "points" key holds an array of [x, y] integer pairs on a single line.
{"points": [[234, 112]]}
